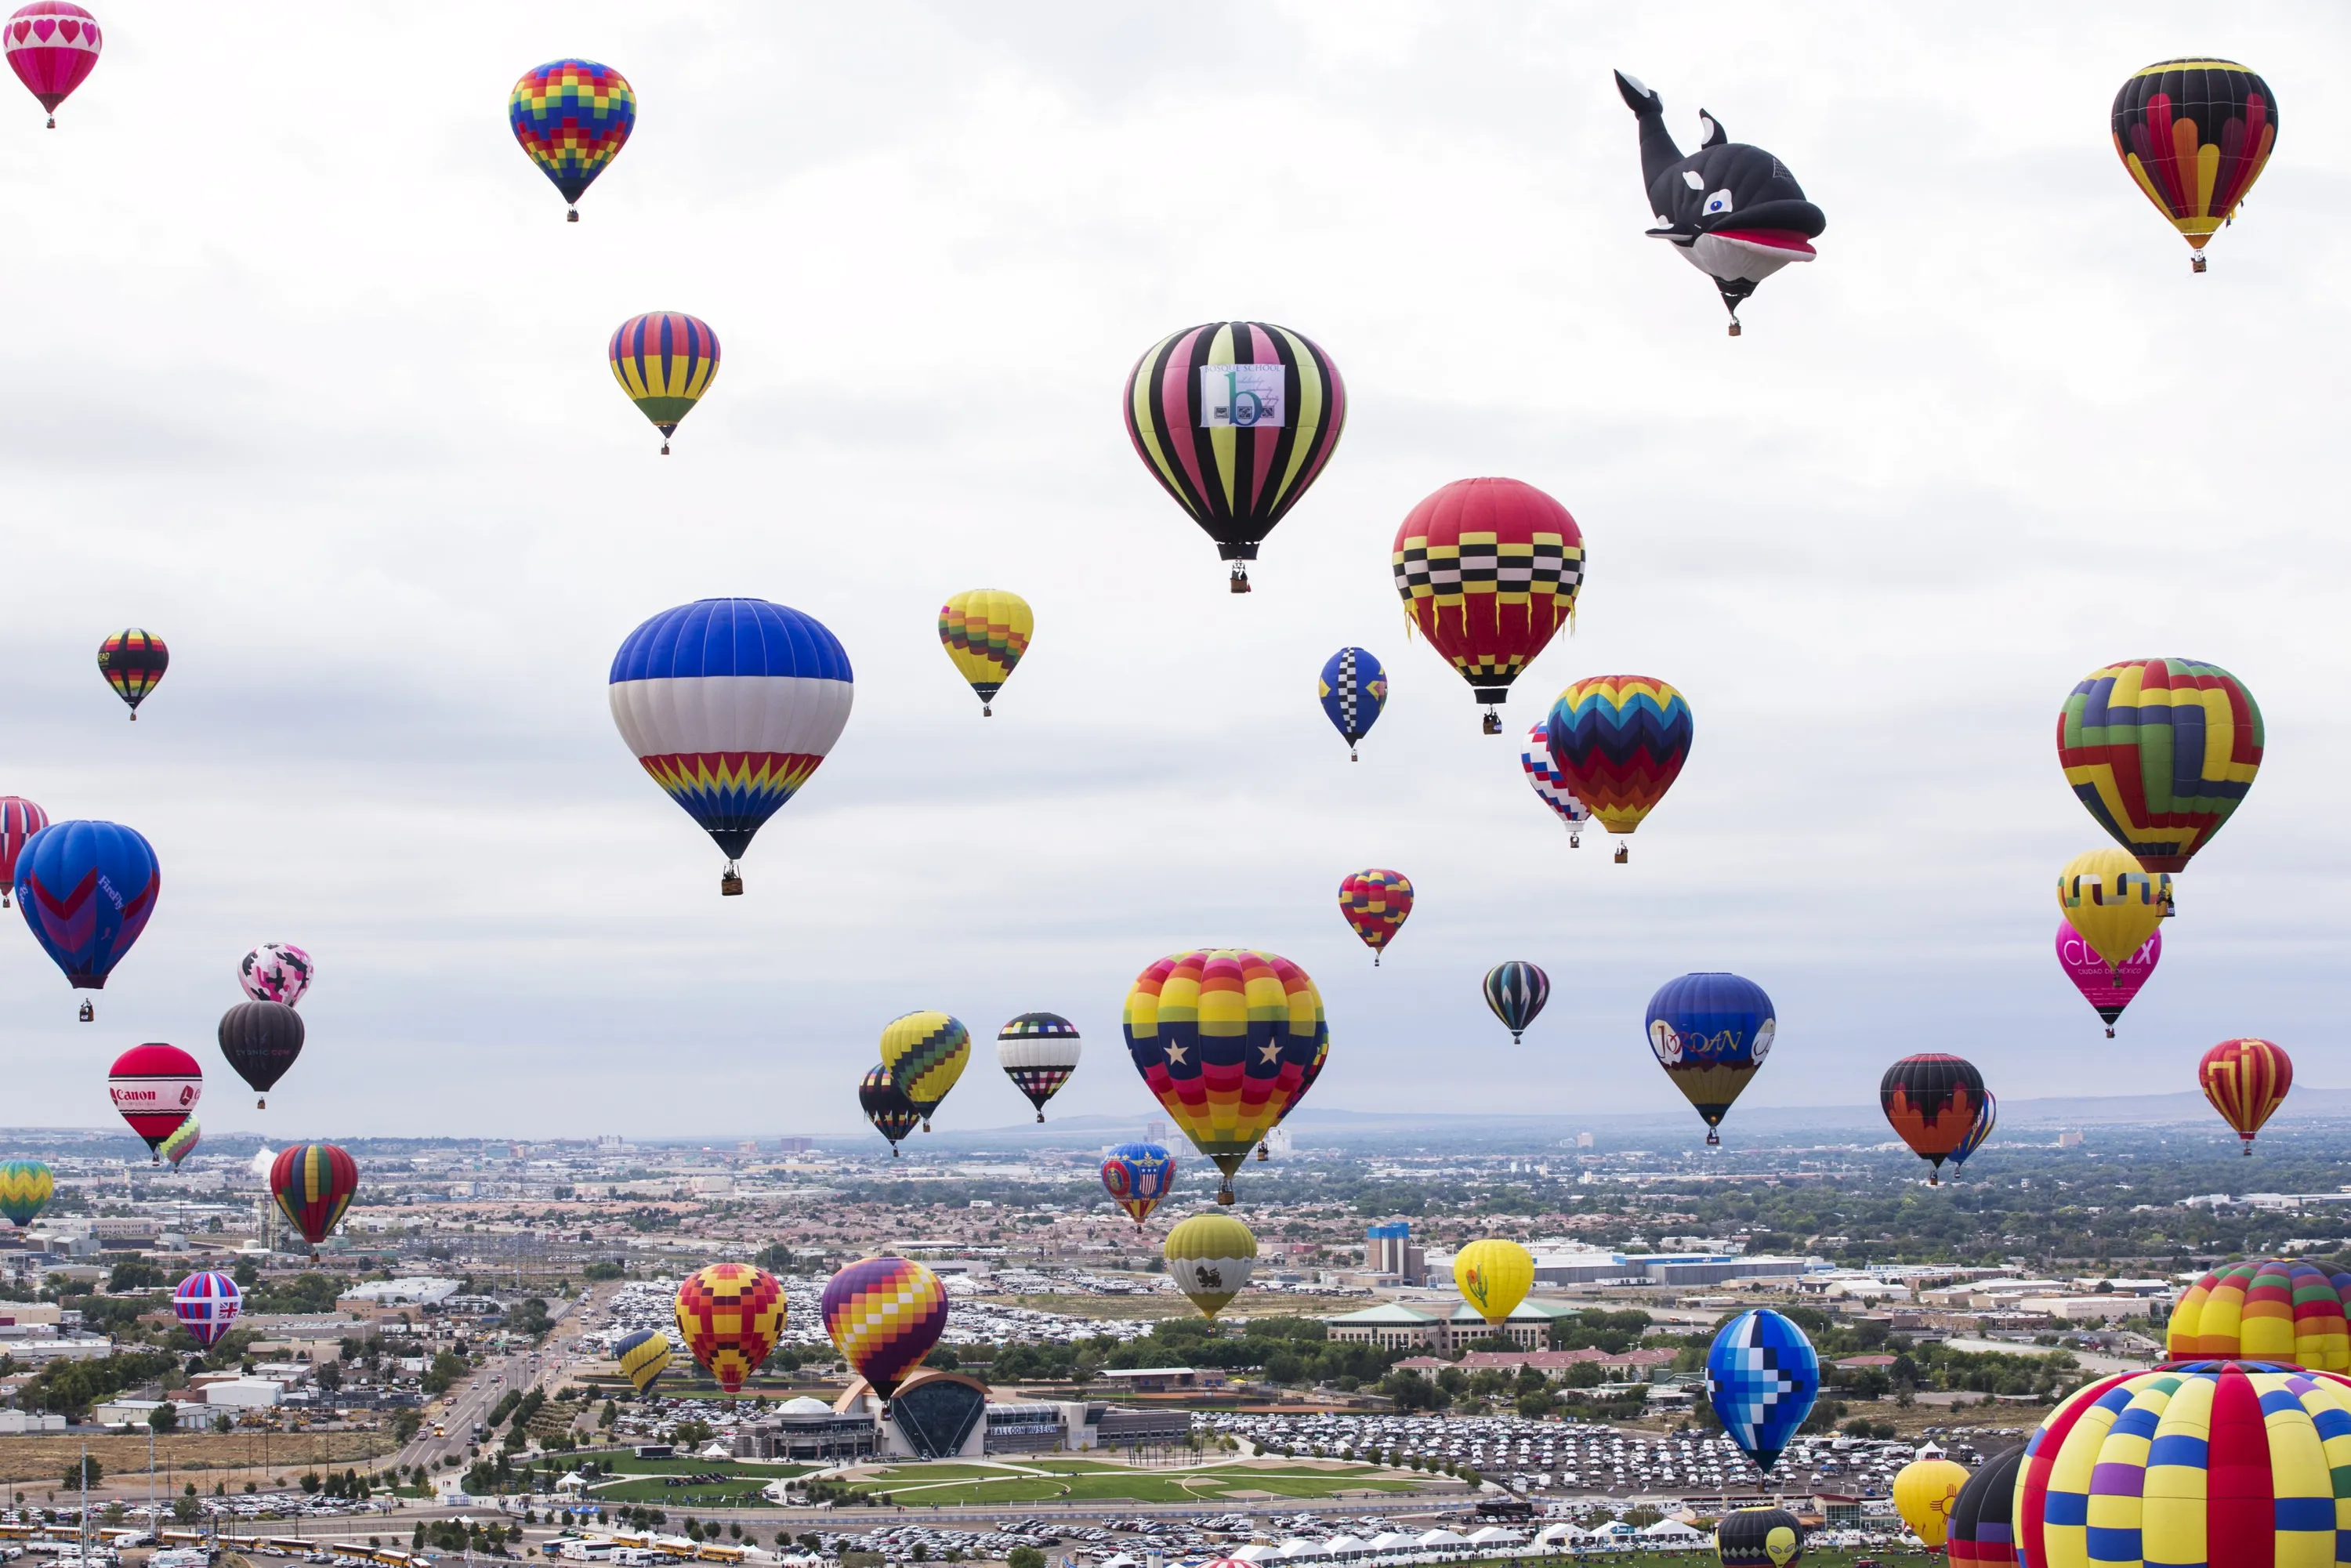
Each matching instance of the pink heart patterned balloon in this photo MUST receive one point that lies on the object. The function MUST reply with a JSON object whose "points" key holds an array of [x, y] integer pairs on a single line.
{"points": [[2108, 991], [53, 46]]}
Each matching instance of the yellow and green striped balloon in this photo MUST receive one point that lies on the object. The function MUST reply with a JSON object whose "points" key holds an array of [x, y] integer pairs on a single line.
{"points": [[26, 1187], [923, 1054], [643, 1356]]}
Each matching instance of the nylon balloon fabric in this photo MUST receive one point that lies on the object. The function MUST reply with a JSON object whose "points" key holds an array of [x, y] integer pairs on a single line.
{"points": [[884, 1315], [53, 46], [1375, 903], [26, 1188], [207, 1305], [925, 1053], [571, 119], [2116, 906], [642, 1357], [1931, 1101], [730, 1316], [2161, 752], [2195, 135], [87, 891], [1550, 787], [155, 1087], [2271, 1309], [1761, 1378], [1235, 420], [1353, 689], [985, 632], [134, 663], [1210, 1257], [1515, 993], [261, 1041], [1136, 1176], [2246, 1080], [1711, 1032], [1758, 1538], [313, 1184], [277, 972], [181, 1142], [1977, 1134], [665, 360], [1983, 1533], [893, 1115], [1493, 1275], [2107, 988], [2228, 1463], [1618, 742], [1224, 1038], [19, 820], [1488, 570], [1925, 1493], [1038, 1051]]}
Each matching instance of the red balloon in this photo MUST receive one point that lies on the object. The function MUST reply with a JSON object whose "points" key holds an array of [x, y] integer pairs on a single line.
{"points": [[1488, 570], [155, 1087], [19, 820]]}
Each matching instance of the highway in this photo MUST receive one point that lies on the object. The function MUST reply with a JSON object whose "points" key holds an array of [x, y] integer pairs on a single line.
{"points": [[469, 1404]]}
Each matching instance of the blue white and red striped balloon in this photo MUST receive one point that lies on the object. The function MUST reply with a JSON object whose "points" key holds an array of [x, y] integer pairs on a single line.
{"points": [[207, 1304], [1550, 787]]}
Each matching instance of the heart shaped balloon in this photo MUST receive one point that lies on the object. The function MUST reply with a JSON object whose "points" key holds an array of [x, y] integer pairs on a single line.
{"points": [[2109, 990]]}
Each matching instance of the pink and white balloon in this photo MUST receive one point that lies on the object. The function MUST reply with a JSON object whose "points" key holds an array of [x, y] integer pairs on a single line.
{"points": [[53, 46], [2108, 991], [275, 972], [1551, 788], [206, 1306]]}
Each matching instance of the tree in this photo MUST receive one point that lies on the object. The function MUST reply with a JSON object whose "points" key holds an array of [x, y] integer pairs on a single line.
{"points": [[186, 1509], [74, 1473], [331, 1376], [164, 1417], [132, 1274], [1024, 1557]]}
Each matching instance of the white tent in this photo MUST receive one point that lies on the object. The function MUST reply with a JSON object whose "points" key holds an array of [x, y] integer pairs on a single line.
{"points": [[1389, 1540], [1673, 1529], [1562, 1534], [1254, 1552], [1340, 1546], [1298, 1546], [1442, 1538]]}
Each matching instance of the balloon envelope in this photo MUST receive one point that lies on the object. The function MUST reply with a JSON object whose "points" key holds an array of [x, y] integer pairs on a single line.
{"points": [[1515, 993], [1983, 1521], [1377, 904], [133, 662], [277, 972], [665, 360], [155, 1087], [86, 890], [261, 1041], [643, 1356], [1549, 787], [2270, 1309], [985, 632], [2161, 751], [884, 1315], [1618, 742], [1761, 1378], [2195, 135], [2115, 905], [730, 1316], [1758, 1538], [571, 119], [1925, 1493], [206, 1306], [893, 1115], [313, 1184], [1711, 1032], [2246, 1080], [1488, 570], [53, 46], [2107, 988], [1136, 1176], [1494, 1276], [1353, 688], [181, 1143], [1211, 1256], [1979, 1134], [1224, 1038], [19, 820], [925, 1053], [1932, 1101], [26, 1188], [1038, 1051]]}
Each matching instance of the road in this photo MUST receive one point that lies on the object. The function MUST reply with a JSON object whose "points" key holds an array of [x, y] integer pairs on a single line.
{"points": [[469, 1404]]}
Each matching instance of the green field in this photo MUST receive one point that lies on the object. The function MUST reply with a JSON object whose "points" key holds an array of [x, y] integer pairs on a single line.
{"points": [[642, 1481], [1080, 1481]]}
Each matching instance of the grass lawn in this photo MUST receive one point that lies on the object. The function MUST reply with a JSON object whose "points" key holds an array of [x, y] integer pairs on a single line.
{"points": [[627, 1464], [644, 1482]]}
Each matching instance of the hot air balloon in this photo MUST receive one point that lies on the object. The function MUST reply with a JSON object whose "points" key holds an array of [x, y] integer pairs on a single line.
{"points": [[2107, 988], [665, 360], [884, 1315], [1516, 991], [1494, 1276], [1353, 688], [2161, 751], [1038, 1051], [1136, 1176], [19, 820], [730, 704], [2269, 1309], [53, 46], [2246, 1081], [1710, 1033], [86, 890], [730, 1316], [134, 663], [26, 1188], [1733, 211], [277, 972], [1210, 1256], [2228, 1463], [1925, 1493], [2195, 133], [1979, 1134], [572, 118], [1932, 1101], [206, 1306], [1488, 569], [893, 1115], [1758, 1538], [925, 1053], [1983, 1521], [643, 1356], [985, 630], [2113, 904], [1375, 903], [181, 1143], [155, 1088], [1550, 787], [1224, 1038], [1761, 1378], [261, 1041], [1618, 742], [313, 1184], [1236, 419]]}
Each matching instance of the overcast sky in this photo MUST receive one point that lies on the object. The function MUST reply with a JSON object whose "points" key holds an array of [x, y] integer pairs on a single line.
{"points": [[306, 374]]}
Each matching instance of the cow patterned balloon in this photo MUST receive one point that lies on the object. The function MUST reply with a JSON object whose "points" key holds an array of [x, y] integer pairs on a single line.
{"points": [[275, 972]]}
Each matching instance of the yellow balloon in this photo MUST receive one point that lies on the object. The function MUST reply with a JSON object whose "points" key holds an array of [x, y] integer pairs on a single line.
{"points": [[1211, 1256], [1923, 1494], [2112, 901], [1494, 1276], [985, 630], [923, 1054]]}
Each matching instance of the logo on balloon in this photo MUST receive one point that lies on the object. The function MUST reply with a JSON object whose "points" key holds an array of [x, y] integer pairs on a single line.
{"points": [[1666, 1042], [1240, 397]]}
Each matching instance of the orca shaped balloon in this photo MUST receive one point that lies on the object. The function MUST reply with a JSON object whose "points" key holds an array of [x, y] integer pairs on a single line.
{"points": [[1732, 210]]}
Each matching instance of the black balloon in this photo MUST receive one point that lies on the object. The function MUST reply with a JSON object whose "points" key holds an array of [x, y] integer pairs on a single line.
{"points": [[1733, 211], [261, 1041], [1758, 1538], [1982, 1531]]}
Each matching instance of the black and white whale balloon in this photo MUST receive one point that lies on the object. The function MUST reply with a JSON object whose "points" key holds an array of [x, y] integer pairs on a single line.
{"points": [[1732, 210]]}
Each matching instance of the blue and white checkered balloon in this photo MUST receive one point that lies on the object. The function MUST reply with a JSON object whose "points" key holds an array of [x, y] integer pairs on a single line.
{"points": [[1761, 1378]]}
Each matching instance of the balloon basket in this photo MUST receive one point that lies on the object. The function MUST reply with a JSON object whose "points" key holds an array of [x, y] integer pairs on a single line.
{"points": [[261, 1104], [1574, 842], [1713, 1138], [2194, 263], [134, 715], [665, 448], [52, 125], [2110, 1034], [1624, 854], [2249, 1148], [730, 882], [1493, 722], [1934, 1178], [1734, 328], [88, 1012], [4, 898], [1226, 1197], [893, 1151], [1351, 756], [572, 216], [1261, 1151], [1241, 582], [985, 711]]}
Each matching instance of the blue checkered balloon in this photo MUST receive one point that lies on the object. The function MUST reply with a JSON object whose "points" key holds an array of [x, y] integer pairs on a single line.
{"points": [[1353, 689], [1761, 1378]]}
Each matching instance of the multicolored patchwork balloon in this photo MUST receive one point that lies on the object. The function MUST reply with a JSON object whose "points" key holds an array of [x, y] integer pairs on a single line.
{"points": [[261, 1041], [277, 972], [893, 1115], [2162, 752], [86, 890], [642, 1357], [572, 118], [985, 632], [1515, 993], [1932, 1101], [1210, 1257], [206, 1306], [313, 1184], [1377, 904], [26, 1188], [1550, 787], [925, 1053], [2109, 988], [1617, 743], [1488, 570], [1353, 689], [2116, 906], [181, 1143], [1761, 1378], [53, 46], [1136, 1176], [665, 361], [730, 1316], [1235, 420], [134, 663], [731, 704], [884, 1315], [1979, 1134], [155, 1087], [19, 820], [2195, 135], [1038, 1051], [1224, 1038], [2268, 1309], [2246, 1080], [1711, 1032]]}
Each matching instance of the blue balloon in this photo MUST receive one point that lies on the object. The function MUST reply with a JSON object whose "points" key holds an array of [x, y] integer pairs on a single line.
{"points": [[1136, 1176], [1986, 1119], [86, 890], [1711, 1032], [1761, 1378], [1353, 689], [1516, 991]]}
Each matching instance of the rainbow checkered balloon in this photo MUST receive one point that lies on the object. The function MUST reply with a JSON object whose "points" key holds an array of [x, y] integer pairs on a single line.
{"points": [[730, 1316], [572, 118], [884, 1315]]}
